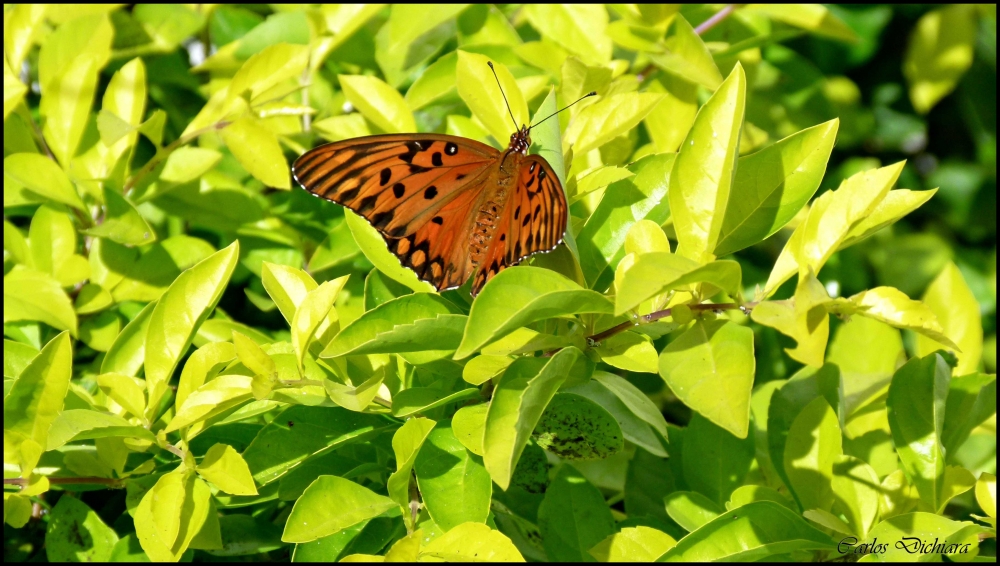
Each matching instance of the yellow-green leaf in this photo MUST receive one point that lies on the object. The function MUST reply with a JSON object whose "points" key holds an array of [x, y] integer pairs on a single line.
{"points": [[702, 174], [940, 51], [224, 467], [258, 151], [379, 102], [957, 310], [478, 88]]}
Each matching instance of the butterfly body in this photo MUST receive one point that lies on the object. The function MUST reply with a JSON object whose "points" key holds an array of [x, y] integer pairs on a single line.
{"points": [[448, 207]]}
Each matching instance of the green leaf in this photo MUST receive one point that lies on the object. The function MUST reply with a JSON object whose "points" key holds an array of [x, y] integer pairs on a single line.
{"points": [[312, 314], [806, 320], [42, 176], [280, 447], [831, 218], [572, 516], [471, 542], [93, 298], [406, 443], [84, 424], [715, 462], [687, 56], [469, 425], [125, 100], [749, 533], [867, 353], [633, 428], [986, 494], [520, 398], [668, 124], [600, 178], [633, 544], [251, 355], [420, 399], [267, 69], [750, 493], [20, 32], [916, 404], [624, 203], [717, 381], [971, 401], [437, 81], [172, 514], [702, 176], [76, 37], [122, 222], [66, 104], [691, 510], [814, 18], [481, 369], [411, 36], [373, 245], [169, 25], [856, 491], [329, 505], [915, 528], [957, 310], [127, 353], [454, 484], [633, 398], [772, 185], [576, 428], [337, 248], [479, 90], [580, 29], [217, 396], [179, 312], [630, 351], [224, 467], [658, 272], [16, 357], [379, 103], [33, 295], [940, 51], [34, 401], [258, 151], [813, 445], [521, 295], [204, 364], [895, 205], [411, 323], [286, 286], [77, 534], [53, 247], [129, 392], [893, 307], [609, 118]]}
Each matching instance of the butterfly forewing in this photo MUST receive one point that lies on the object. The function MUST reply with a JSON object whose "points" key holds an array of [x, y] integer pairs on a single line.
{"points": [[534, 220], [419, 190], [398, 182]]}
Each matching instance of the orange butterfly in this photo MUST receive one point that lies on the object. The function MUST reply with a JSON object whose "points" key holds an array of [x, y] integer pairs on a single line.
{"points": [[448, 207]]}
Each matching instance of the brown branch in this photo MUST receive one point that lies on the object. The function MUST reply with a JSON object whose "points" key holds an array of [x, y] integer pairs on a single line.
{"points": [[657, 315], [111, 483]]}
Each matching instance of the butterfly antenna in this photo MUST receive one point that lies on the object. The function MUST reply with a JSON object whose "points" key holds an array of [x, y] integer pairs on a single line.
{"points": [[589, 94], [490, 63]]}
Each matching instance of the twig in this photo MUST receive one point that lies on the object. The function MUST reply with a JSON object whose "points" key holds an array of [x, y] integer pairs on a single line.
{"points": [[384, 402], [657, 315], [112, 483], [166, 151], [715, 19]]}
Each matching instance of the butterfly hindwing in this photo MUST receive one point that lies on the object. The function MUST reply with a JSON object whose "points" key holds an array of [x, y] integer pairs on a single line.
{"points": [[534, 220]]}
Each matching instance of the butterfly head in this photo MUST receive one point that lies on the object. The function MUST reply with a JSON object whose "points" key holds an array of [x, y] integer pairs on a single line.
{"points": [[521, 140]]}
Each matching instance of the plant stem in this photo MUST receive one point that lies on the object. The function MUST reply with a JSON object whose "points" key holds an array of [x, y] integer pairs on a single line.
{"points": [[715, 19], [657, 315], [112, 483], [166, 151]]}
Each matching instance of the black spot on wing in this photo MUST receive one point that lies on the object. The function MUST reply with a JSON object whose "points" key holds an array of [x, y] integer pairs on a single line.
{"points": [[384, 176], [436, 159], [430, 192], [399, 189]]}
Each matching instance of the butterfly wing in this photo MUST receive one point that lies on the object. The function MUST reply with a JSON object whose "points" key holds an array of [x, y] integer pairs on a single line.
{"points": [[534, 220], [418, 190]]}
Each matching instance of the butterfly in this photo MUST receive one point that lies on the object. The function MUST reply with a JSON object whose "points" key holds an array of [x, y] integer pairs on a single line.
{"points": [[448, 207]]}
